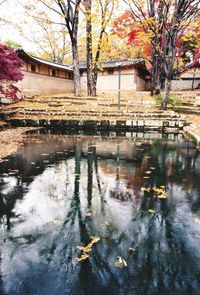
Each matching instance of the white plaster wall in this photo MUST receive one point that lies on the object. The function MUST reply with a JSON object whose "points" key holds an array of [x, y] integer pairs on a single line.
{"points": [[183, 84], [35, 84], [109, 83]]}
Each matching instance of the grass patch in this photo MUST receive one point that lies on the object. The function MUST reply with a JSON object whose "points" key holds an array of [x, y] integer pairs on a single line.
{"points": [[173, 100]]}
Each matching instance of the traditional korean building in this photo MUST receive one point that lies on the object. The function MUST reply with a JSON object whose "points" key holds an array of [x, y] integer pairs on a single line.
{"points": [[187, 78], [134, 75], [45, 77]]}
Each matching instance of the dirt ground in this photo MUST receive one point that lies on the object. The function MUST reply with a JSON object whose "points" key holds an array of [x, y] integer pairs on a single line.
{"points": [[11, 139]]}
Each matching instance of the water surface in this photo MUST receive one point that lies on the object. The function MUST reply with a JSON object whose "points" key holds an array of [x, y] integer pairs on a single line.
{"points": [[59, 191]]}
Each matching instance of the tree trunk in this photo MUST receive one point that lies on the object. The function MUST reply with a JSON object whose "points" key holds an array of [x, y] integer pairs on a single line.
{"points": [[95, 77], [76, 69], [166, 93], [89, 55], [193, 79], [156, 76]]}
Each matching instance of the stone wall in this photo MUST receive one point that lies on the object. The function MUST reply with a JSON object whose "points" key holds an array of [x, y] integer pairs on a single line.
{"points": [[184, 84], [36, 84]]}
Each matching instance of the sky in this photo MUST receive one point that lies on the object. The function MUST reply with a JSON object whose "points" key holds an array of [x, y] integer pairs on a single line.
{"points": [[12, 11]]}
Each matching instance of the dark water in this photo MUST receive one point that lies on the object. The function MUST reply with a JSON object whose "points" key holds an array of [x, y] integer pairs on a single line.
{"points": [[58, 191]]}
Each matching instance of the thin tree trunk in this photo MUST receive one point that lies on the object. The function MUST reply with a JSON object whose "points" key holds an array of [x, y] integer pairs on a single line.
{"points": [[193, 79], [76, 70], [166, 93], [89, 55]]}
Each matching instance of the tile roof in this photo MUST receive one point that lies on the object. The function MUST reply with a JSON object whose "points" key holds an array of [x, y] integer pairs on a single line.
{"points": [[24, 55], [114, 63]]}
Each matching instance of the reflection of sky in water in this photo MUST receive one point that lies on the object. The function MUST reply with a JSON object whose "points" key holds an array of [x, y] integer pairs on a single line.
{"points": [[47, 212]]}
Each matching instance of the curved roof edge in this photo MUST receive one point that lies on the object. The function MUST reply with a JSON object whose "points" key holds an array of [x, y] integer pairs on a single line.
{"points": [[25, 56]]}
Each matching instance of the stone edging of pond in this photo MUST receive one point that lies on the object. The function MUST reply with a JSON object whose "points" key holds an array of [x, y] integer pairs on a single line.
{"points": [[190, 131]]}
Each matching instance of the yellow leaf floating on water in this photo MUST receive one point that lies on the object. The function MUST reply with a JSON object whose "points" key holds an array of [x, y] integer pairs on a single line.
{"points": [[89, 214], [95, 239], [121, 263], [161, 193], [82, 257], [162, 196], [197, 220], [148, 172], [87, 248], [145, 189]]}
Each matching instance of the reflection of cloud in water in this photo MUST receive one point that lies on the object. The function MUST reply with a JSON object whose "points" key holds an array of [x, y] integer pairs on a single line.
{"points": [[9, 184]]}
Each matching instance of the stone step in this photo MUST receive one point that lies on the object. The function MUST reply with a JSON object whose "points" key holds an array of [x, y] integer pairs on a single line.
{"points": [[102, 113], [88, 123], [189, 110], [91, 102], [86, 110], [97, 117], [136, 95]]}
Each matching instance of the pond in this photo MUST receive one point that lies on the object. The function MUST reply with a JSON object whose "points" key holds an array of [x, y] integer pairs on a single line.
{"points": [[100, 214]]}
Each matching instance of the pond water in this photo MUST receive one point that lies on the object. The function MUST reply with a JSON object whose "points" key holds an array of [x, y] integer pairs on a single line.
{"points": [[84, 215]]}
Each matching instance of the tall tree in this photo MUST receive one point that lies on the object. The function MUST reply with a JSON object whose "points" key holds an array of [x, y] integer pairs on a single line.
{"points": [[97, 22], [164, 22], [89, 53], [51, 40], [68, 11]]}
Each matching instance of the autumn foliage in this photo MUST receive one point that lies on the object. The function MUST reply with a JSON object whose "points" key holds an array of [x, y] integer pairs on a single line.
{"points": [[10, 72], [139, 35], [164, 33]]}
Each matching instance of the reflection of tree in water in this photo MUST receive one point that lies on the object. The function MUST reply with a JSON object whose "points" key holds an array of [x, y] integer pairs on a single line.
{"points": [[118, 192], [7, 202], [87, 275], [162, 261]]}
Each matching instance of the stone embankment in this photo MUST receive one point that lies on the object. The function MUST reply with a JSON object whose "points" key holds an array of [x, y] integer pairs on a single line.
{"points": [[189, 107], [138, 112]]}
